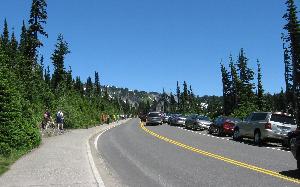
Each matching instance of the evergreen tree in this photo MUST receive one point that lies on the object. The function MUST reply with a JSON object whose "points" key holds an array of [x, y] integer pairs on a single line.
{"points": [[38, 17], [5, 37], [226, 91], [292, 39], [47, 76], [192, 100], [13, 45], [58, 56], [89, 87], [23, 39], [97, 84], [288, 75], [260, 90], [178, 94], [246, 77], [235, 85], [184, 98]]}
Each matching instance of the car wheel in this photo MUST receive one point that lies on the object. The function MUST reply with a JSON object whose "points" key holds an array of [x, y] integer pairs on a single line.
{"points": [[209, 130], [218, 131], [257, 138], [236, 135]]}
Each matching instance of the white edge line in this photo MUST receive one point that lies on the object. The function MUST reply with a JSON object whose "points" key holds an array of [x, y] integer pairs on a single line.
{"points": [[97, 176], [95, 171]]}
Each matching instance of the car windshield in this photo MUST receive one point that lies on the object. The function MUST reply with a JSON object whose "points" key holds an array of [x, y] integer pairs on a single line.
{"points": [[203, 118], [283, 119], [154, 115]]}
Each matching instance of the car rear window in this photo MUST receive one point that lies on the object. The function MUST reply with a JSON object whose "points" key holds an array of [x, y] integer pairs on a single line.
{"points": [[283, 119], [259, 116], [154, 114]]}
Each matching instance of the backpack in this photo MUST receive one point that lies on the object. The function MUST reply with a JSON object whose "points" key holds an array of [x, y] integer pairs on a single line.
{"points": [[59, 117]]}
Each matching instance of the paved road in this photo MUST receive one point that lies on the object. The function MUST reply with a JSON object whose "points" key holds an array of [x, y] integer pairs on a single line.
{"points": [[138, 158]]}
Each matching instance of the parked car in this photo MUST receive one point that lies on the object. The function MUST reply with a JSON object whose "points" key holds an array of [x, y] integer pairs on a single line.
{"points": [[223, 126], [295, 147], [154, 118], [178, 120], [196, 122], [166, 118], [265, 126]]}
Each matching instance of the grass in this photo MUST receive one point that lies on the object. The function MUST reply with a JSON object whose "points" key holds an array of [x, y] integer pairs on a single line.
{"points": [[6, 162]]}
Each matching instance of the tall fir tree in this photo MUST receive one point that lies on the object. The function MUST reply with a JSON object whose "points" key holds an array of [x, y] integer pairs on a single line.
{"points": [[23, 39], [97, 84], [185, 98], [292, 39], [58, 57], [227, 95], [260, 90], [246, 77], [178, 94], [235, 83], [37, 20], [5, 37], [89, 87], [47, 76]]}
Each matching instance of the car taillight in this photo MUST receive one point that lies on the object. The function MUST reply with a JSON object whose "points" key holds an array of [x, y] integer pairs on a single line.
{"points": [[228, 126], [268, 126]]}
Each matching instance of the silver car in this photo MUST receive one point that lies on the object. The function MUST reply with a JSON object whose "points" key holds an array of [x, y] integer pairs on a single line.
{"points": [[265, 126], [154, 118]]}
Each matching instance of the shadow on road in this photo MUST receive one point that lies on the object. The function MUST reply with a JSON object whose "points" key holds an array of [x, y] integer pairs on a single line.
{"points": [[291, 173]]}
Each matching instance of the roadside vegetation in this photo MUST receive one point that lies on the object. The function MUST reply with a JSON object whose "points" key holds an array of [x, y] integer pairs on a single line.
{"points": [[28, 89]]}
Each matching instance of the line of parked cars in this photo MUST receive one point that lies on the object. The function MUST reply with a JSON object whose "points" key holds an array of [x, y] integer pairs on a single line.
{"points": [[260, 126]]}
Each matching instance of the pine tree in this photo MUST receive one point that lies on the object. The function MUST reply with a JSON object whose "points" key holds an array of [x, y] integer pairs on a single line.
{"points": [[5, 37], [235, 85], [23, 39], [13, 45], [260, 90], [288, 75], [184, 98], [38, 17], [292, 39], [226, 90], [246, 77], [192, 100], [78, 86], [89, 87], [97, 84], [178, 94], [47, 76], [58, 56]]}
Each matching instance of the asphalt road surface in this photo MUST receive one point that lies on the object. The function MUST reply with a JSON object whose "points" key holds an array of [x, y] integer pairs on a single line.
{"points": [[171, 156]]}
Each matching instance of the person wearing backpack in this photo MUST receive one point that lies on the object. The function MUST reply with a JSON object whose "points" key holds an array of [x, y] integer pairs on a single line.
{"points": [[60, 120]]}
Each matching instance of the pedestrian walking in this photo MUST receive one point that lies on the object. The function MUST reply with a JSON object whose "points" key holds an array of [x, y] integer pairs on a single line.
{"points": [[60, 120]]}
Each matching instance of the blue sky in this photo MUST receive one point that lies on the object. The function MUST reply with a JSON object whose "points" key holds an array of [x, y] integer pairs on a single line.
{"points": [[150, 44]]}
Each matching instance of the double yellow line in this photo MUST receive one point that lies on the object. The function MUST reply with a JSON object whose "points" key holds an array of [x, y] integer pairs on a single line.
{"points": [[218, 157]]}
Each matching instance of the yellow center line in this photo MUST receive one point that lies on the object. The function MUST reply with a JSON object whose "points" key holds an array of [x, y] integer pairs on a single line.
{"points": [[219, 157]]}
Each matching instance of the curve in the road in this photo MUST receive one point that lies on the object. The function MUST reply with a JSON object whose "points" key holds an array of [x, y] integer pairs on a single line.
{"points": [[219, 157]]}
